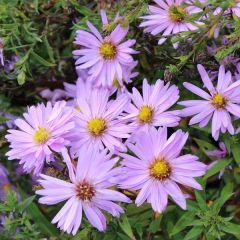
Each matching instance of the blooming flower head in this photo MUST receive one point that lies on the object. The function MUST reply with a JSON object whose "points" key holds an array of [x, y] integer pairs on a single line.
{"points": [[105, 57], [218, 105], [87, 192], [151, 108], [170, 17], [43, 129], [98, 122], [157, 168]]}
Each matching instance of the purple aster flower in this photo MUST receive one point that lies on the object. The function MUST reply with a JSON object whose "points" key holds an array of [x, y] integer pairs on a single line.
{"points": [[157, 168], [218, 105], [42, 130], [151, 108], [53, 95], [98, 122], [219, 154], [170, 17], [104, 57], [9, 66], [1, 53], [87, 192]]}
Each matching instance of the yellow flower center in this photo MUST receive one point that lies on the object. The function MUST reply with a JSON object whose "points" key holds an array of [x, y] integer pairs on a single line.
{"points": [[96, 126], [108, 50], [218, 101], [160, 169], [177, 13], [84, 191], [145, 114], [41, 136], [6, 187]]}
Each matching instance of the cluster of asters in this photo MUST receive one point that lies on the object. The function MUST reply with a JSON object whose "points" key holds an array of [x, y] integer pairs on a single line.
{"points": [[111, 139]]}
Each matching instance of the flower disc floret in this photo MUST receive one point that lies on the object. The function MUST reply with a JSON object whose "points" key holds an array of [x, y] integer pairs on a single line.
{"points": [[41, 136], [145, 114], [218, 100], [160, 169], [177, 13], [108, 50], [96, 126], [85, 191]]}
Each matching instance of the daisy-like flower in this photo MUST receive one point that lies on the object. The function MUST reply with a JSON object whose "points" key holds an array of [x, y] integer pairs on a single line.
{"points": [[43, 129], [218, 104], [157, 168], [98, 122], [170, 17], [87, 192], [105, 57], [151, 108]]}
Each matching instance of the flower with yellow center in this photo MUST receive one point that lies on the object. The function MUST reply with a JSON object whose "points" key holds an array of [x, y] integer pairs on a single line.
{"points": [[160, 169], [177, 13], [41, 136], [145, 114], [108, 50], [96, 126], [218, 101]]}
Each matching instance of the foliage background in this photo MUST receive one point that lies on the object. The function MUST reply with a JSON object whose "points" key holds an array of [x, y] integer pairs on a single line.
{"points": [[41, 34]]}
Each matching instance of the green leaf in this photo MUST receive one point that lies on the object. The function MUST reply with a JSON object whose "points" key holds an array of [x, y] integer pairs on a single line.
{"points": [[49, 49], [42, 222], [226, 193], [24, 204], [182, 222], [200, 200], [232, 228], [194, 232], [21, 77], [217, 167], [41, 60], [236, 152], [204, 146], [155, 225], [126, 227], [82, 235]]}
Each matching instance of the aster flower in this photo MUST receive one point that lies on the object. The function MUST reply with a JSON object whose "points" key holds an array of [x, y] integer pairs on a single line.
{"points": [[157, 168], [151, 108], [53, 95], [98, 122], [10, 64], [42, 130], [87, 192], [170, 17], [219, 104], [104, 57]]}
